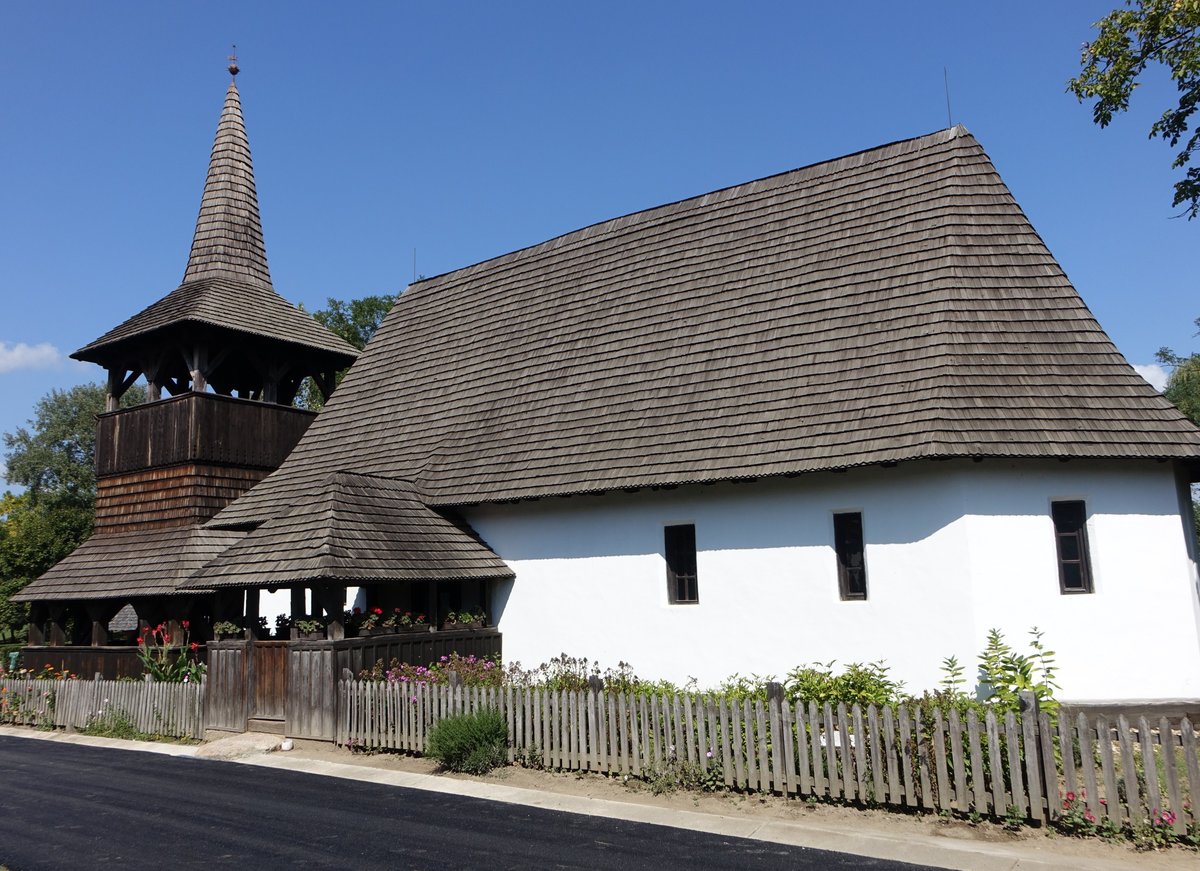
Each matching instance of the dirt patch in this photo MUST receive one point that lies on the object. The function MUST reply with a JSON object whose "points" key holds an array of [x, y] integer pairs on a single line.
{"points": [[766, 807]]}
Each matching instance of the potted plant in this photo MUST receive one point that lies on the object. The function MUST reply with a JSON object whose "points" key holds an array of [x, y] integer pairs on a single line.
{"points": [[451, 621], [307, 629], [283, 626], [392, 622], [226, 629], [372, 622], [352, 620], [478, 619], [262, 629]]}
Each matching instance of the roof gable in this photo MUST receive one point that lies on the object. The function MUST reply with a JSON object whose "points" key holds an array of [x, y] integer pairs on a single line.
{"points": [[890, 305]]}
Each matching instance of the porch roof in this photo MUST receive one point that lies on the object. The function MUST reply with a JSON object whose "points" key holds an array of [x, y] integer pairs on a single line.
{"points": [[119, 565], [359, 529]]}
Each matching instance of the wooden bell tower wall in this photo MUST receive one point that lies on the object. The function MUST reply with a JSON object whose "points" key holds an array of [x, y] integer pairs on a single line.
{"points": [[179, 461]]}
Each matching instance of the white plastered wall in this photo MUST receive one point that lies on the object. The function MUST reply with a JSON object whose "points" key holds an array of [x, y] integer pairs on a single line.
{"points": [[952, 549]]}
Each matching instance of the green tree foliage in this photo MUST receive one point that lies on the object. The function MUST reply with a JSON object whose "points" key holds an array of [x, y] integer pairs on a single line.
{"points": [[54, 459], [1183, 391], [355, 321], [34, 535], [1149, 33], [1183, 386]]}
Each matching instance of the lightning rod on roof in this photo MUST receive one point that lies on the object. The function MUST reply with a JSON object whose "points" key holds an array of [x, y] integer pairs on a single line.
{"points": [[946, 82], [233, 67]]}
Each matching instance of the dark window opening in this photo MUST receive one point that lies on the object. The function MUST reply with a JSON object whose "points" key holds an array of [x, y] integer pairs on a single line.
{"points": [[680, 545], [852, 566], [1070, 533]]}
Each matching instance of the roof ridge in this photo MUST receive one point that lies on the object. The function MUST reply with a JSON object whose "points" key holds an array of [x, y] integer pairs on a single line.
{"points": [[228, 242], [801, 173]]}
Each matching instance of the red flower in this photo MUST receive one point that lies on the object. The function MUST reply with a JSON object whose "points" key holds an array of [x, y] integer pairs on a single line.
{"points": [[186, 624], [358, 610], [195, 646], [141, 640], [376, 610]]}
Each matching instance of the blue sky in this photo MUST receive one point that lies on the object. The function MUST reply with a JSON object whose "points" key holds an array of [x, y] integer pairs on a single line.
{"points": [[464, 130]]}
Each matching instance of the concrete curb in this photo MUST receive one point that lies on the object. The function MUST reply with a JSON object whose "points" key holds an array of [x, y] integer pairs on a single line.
{"points": [[918, 849]]}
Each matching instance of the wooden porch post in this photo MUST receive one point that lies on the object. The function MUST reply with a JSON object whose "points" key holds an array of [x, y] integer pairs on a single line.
{"points": [[99, 613], [298, 609], [333, 600], [432, 605], [252, 612], [58, 637], [37, 618]]}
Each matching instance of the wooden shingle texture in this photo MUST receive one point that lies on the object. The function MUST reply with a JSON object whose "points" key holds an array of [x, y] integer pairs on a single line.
{"points": [[123, 565], [887, 306], [227, 282], [357, 530]]}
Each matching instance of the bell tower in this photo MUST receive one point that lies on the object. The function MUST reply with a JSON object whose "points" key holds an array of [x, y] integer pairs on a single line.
{"points": [[223, 356]]}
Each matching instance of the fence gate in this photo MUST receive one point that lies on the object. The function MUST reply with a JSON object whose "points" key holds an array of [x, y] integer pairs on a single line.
{"points": [[267, 685], [247, 686]]}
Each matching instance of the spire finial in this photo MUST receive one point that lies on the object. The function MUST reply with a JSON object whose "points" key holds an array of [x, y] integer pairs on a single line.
{"points": [[233, 67]]}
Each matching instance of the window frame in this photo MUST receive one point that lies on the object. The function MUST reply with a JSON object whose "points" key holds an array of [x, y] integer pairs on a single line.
{"points": [[1084, 560], [845, 593], [681, 554]]}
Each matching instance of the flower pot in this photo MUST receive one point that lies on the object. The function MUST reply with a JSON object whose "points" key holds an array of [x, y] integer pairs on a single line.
{"points": [[315, 635], [378, 630], [475, 624], [446, 627]]}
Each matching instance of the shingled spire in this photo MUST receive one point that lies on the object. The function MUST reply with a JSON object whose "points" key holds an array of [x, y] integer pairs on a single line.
{"points": [[224, 328], [229, 239]]}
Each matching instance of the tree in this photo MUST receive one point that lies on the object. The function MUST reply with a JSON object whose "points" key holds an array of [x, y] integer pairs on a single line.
{"points": [[34, 535], [54, 459], [355, 321], [1149, 32]]}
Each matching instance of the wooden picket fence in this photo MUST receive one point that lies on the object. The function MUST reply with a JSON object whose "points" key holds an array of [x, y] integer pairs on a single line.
{"points": [[173, 710], [911, 757]]}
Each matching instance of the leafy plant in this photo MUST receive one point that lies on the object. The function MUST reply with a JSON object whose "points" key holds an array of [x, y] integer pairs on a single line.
{"points": [[864, 684], [952, 680], [473, 743], [226, 627], [307, 625], [1004, 673], [166, 662]]}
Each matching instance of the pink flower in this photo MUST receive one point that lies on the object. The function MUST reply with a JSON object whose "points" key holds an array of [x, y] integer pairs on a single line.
{"points": [[1070, 796]]}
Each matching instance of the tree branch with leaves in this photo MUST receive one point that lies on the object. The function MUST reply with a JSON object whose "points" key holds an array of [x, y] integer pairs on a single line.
{"points": [[1144, 34]]}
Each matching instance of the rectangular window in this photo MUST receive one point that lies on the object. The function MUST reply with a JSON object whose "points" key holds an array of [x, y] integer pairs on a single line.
{"points": [[680, 546], [1070, 533], [852, 567]]}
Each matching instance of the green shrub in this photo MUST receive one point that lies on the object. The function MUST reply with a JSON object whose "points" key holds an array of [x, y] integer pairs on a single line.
{"points": [[475, 743]]}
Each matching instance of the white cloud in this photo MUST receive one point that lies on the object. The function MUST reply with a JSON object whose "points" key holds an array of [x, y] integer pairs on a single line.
{"points": [[23, 356], [1155, 374]]}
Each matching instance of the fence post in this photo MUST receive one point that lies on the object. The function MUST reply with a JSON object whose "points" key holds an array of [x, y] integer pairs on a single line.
{"points": [[1033, 762], [774, 692]]}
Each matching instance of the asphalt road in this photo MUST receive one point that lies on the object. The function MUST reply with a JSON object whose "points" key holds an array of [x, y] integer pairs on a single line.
{"points": [[65, 806]]}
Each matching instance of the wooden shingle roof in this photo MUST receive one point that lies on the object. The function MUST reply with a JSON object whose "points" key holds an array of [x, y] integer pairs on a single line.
{"points": [[226, 283], [886, 306], [357, 530], [125, 565]]}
